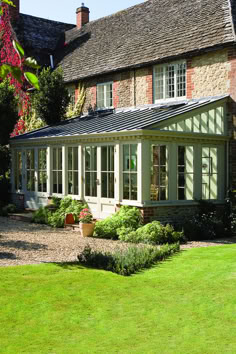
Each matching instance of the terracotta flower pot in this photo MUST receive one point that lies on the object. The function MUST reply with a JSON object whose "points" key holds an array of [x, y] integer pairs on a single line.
{"points": [[69, 219], [87, 229]]}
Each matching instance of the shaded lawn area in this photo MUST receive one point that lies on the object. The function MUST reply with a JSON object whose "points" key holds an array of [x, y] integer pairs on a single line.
{"points": [[186, 304]]}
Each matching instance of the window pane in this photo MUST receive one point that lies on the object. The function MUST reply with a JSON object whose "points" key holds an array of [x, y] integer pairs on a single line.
{"points": [[133, 186], [54, 178], [209, 173], [59, 159], [126, 158], [126, 185], [185, 173], [104, 185], [104, 158], [111, 185], [75, 158], [159, 83], [159, 175], [170, 81], [181, 80], [133, 158], [55, 159], [70, 158]]}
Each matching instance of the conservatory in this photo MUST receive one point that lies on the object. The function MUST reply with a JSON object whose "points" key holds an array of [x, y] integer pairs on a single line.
{"points": [[160, 158]]}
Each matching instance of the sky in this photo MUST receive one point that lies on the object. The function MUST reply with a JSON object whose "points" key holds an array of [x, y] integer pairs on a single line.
{"points": [[64, 11]]}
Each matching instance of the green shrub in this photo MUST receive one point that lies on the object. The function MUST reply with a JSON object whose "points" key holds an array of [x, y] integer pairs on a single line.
{"points": [[207, 223], [153, 233], [10, 208], [40, 216], [56, 217], [126, 217], [128, 261]]}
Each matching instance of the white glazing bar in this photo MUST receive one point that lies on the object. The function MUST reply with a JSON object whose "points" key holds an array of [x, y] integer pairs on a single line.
{"points": [[144, 171], [49, 169], [118, 173], [81, 171], [64, 170]]}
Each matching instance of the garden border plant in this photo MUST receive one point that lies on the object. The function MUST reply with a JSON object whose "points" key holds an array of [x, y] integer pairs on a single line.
{"points": [[128, 261]]}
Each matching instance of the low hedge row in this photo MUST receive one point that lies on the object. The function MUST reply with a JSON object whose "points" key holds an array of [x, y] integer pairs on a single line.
{"points": [[129, 261]]}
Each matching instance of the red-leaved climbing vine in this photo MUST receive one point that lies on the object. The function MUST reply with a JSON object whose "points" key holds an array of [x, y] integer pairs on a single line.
{"points": [[8, 55]]}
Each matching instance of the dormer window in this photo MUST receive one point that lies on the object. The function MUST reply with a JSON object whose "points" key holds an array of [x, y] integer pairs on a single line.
{"points": [[170, 81], [105, 95]]}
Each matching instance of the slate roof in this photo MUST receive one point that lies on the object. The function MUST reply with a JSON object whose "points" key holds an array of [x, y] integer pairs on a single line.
{"points": [[122, 120], [40, 36], [147, 33]]}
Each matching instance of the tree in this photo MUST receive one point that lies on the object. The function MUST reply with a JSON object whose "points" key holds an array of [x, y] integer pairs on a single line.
{"points": [[8, 118], [8, 111], [52, 99]]}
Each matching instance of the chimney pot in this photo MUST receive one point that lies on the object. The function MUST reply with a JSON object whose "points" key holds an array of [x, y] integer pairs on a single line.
{"points": [[82, 16]]}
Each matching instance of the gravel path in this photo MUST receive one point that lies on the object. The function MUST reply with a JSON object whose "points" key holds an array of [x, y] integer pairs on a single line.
{"points": [[25, 243]]}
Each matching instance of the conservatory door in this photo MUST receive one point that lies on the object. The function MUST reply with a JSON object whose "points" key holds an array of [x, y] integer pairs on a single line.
{"points": [[99, 177]]}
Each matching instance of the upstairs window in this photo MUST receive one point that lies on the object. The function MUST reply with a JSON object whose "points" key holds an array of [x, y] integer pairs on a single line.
{"points": [[170, 81], [105, 95]]}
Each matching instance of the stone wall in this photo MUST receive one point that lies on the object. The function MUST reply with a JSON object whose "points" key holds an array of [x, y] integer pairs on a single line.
{"points": [[130, 88], [208, 74]]}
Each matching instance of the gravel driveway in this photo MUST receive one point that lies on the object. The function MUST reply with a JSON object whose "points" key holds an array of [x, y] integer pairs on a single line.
{"points": [[26, 243]]}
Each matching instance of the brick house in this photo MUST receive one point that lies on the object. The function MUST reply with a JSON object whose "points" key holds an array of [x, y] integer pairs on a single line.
{"points": [[161, 76]]}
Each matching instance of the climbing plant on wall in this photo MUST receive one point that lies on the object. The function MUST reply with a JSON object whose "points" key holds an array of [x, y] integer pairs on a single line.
{"points": [[78, 108]]}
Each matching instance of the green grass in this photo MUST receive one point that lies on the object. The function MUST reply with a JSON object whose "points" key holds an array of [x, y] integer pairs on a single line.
{"points": [[184, 305]]}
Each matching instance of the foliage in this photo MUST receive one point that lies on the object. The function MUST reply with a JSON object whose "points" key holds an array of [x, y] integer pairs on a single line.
{"points": [[78, 105], [8, 111], [128, 217], [13, 61], [40, 216], [55, 217], [52, 99], [4, 190], [5, 158], [85, 217], [8, 209], [152, 233], [206, 224], [126, 262]]}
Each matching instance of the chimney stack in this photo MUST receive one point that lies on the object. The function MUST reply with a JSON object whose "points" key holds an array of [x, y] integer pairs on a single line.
{"points": [[15, 11], [82, 16]]}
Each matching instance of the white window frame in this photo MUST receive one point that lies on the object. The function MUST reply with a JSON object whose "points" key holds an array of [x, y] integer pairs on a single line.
{"points": [[164, 67], [104, 85]]}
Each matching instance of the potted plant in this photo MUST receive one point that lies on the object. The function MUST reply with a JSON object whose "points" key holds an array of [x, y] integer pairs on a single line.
{"points": [[86, 223]]}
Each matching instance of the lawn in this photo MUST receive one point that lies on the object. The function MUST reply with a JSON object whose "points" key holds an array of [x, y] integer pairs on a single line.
{"points": [[186, 304]]}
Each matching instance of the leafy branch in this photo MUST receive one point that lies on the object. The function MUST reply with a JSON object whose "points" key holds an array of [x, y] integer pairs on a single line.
{"points": [[14, 70]]}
